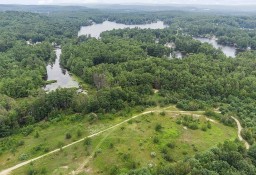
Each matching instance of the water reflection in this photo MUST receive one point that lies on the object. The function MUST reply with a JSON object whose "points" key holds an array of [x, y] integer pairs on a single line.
{"points": [[62, 77], [96, 29], [227, 50]]}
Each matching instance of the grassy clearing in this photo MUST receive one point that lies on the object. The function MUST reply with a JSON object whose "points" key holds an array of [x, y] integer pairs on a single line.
{"points": [[47, 136], [148, 140]]}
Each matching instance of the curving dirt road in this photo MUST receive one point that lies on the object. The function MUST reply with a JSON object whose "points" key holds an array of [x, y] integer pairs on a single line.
{"points": [[9, 170], [239, 129]]}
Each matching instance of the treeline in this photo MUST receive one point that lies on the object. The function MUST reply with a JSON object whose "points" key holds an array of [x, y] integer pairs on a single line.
{"points": [[235, 31], [23, 68], [205, 77], [228, 158]]}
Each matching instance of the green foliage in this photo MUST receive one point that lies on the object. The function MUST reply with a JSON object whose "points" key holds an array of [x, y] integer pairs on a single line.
{"points": [[36, 134], [124, 67], [171, 145], [190, 105], [23, 157], [27, 130], [188, 121], [156, 140], [158, 127], [68, 136], [78, 133], [88, 141], [162, 113]]}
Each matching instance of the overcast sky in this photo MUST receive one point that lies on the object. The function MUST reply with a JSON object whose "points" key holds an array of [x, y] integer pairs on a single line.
{"points": [[218, 2]]}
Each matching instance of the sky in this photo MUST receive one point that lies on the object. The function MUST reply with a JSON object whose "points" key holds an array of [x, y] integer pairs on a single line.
{"points": [[206, 2]]}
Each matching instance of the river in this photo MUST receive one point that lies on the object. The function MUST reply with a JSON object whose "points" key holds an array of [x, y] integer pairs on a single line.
{"points": [[227, 50], [62, 77]]}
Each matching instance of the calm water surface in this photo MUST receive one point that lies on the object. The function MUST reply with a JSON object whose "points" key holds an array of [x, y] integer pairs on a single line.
{"points": [[227, 50], [56, 72], [96, 29]]}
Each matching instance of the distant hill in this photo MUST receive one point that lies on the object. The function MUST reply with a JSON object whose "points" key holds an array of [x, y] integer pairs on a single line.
{"points": [[41, 8]]}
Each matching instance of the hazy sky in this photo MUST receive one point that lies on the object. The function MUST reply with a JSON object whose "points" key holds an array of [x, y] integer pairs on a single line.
{"points": [[220, 2]]}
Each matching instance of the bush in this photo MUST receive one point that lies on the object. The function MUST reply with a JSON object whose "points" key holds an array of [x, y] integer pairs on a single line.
{"points": [[193, 126], [21, 143], [68, 136], [204, 128], [167, 157], [190, 105], [36, 134], [60, 145], [43, 170], [209, 125], [111, 145], [27, 130], [162, 113], [87, 141], [32, 171], [113, 170], [23, 157], [155, 140], [158, 127], [171, 145], [78, 133]]}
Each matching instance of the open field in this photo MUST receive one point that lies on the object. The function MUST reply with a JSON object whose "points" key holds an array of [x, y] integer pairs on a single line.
{"points": [[147, 140]]}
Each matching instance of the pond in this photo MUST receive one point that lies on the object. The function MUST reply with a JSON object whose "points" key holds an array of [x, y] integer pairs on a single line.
{"points": [[227, 50], [60, 75]]}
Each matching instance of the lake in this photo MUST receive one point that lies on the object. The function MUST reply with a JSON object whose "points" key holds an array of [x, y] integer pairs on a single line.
{"points": [[227, 50], [96, 29]]}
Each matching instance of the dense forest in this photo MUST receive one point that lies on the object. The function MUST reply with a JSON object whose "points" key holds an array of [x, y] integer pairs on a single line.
{"points": [[126, 67]]}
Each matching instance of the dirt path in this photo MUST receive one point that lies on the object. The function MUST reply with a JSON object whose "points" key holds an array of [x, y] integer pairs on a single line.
{"points": [[9, 170], [239, 129], [83, 165]]}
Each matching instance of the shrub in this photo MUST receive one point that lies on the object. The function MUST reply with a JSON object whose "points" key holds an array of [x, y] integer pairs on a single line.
{"points": [[23, 157], [167, 157], [193, 126], [31, 171], [113, 170], [68, 136], [111, 145], [60, 145], [43, 170], [204, 128], [155, 140], [27, 130], [36, 134], [209, 125], [78, 133], [164, 150], [162, 113], [158, 127], [21, 143], [122, 128], [171, 145], [87, 141]]}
